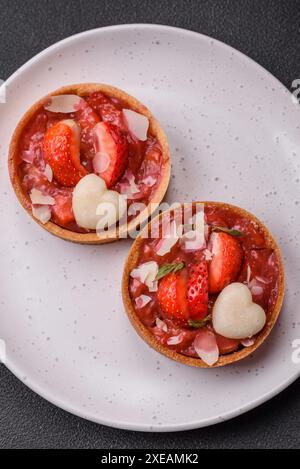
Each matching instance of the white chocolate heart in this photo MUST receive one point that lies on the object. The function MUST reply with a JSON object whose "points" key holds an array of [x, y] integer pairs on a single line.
{"points": [[86, 198], [94, 206], [234, 315], [111, 208]]}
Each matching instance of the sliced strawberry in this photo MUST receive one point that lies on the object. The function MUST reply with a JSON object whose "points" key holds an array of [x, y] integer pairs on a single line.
{"points": [[61, 152], [226, 262], [62, 213], [197, 290], [112, 144], [184, 295], [181, 290], [171, 296]]}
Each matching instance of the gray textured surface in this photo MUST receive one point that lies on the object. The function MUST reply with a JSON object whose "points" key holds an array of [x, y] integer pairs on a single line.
{"points": [[267, 31]]}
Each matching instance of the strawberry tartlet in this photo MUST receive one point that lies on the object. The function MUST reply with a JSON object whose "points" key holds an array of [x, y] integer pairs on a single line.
{"points": [[82, 158], [203, 283]]}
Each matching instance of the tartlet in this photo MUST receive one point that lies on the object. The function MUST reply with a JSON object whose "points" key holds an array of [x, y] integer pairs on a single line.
{"points": [[177, 304], [138, 167]]}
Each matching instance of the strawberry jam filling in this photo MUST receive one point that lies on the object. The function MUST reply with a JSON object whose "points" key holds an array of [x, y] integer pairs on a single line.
{"points": [[57, 149], [180, 293]]}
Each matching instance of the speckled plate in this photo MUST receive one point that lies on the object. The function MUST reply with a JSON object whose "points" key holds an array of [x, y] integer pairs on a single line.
{"points": [[234, 133]]}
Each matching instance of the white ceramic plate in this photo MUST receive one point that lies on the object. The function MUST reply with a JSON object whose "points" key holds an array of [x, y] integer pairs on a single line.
{"points": [[234, 133]]}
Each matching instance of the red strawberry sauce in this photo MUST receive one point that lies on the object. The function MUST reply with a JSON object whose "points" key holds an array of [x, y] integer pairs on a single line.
{"points": [[257, 258], [145, 158]]}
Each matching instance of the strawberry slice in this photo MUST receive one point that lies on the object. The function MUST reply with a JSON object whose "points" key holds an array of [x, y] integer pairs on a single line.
{"points": [[61, 152], [181, 290], [171, 296], [197, 290], [226, 262], [184, 295], [112, 146]]}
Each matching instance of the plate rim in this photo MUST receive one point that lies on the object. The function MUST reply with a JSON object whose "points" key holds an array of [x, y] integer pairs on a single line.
{"points": [[121, 424]]}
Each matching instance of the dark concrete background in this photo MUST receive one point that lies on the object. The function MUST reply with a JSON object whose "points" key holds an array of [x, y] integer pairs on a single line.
{"points": [[267, 31]]}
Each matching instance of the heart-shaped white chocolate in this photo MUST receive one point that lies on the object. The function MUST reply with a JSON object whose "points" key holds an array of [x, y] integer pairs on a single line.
{"points": [[94, 206], [235, 316]]}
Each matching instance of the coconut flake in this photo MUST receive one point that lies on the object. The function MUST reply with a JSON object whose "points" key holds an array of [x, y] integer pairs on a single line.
{"points": [[153, 286], [28, 156], [175, 340], [48, 172], [254, 287], [149, 181], [42, 213], [128, 190], [137, 124], [38, 198], [64, 103], [165, 246], [208, 255], [263, 280], [248, 342], [142, 301], [206, 347], [257, 290], [141, 272], [248, 274], [128, 186], [146, 273], [173, 232], [161, 325], [101, 162]]}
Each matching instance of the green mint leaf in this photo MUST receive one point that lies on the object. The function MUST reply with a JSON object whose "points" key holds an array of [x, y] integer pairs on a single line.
{"points": [[199, 323], [229, 231], [166, 269]]}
